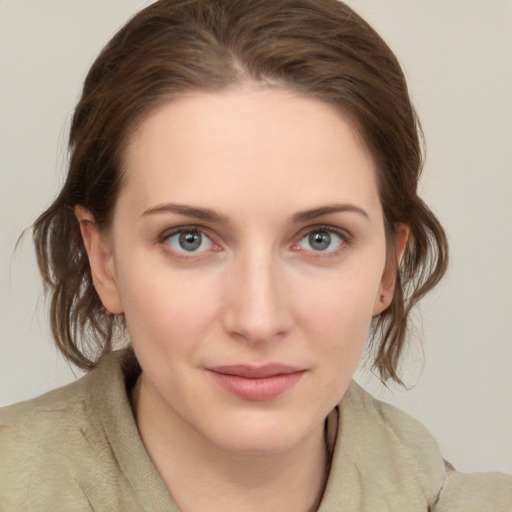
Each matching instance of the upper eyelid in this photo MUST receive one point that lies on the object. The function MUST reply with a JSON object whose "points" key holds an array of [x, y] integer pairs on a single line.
{"points": [[326, 227], [166, 233]]}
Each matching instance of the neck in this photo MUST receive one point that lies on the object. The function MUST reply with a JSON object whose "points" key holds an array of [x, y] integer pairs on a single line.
{"points": [[291, 480]]}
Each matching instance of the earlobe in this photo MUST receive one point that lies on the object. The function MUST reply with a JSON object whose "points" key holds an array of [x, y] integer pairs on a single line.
{"points": [[387, 284], [101, 260]]}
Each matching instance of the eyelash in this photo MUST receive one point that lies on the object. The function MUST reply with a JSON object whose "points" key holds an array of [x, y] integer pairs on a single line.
{"points": [[345, 243], [346, 240], [167, 235]]}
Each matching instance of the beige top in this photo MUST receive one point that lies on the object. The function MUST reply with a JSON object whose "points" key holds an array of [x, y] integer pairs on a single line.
{"points": [[78, 449]]}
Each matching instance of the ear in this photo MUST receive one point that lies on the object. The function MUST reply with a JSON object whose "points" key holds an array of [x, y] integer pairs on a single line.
{"points": [[387, 283], [101, 260]]}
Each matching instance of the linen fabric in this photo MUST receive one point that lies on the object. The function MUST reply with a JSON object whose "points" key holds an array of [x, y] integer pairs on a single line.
{"points": [[77, 448]]}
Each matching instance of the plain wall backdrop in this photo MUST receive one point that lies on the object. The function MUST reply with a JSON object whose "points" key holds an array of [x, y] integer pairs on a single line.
{"points": [[457, 55]]}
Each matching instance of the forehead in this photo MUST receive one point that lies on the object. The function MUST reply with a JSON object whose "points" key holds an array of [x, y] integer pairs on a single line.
{"points": [[214, 147]]}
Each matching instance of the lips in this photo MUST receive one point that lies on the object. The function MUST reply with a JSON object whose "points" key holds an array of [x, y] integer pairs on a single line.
{"points": [[256, 383]]}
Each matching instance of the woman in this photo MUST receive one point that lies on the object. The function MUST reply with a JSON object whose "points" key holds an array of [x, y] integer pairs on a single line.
{"points": [[241, 202]]}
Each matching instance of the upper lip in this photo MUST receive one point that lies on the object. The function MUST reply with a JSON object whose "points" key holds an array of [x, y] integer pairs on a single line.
{"points": [[256, 372]]}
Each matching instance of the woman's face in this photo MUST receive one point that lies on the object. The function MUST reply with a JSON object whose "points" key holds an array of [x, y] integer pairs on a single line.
{"points": [[248, 254]]}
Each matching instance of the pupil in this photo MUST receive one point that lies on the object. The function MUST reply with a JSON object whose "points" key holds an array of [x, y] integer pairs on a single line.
{"points": [[320, 241], [190, 241]]}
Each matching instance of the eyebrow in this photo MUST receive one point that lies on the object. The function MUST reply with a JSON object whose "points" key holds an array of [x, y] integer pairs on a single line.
{"points": [[306, 215], [208, 215], [204, 214]]}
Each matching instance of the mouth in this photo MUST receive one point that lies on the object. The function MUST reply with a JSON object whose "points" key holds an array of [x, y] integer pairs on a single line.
{"points": [[256, 383]]}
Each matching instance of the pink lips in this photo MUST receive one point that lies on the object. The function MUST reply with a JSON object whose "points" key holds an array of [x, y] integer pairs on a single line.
{"points": [[257, 383]]}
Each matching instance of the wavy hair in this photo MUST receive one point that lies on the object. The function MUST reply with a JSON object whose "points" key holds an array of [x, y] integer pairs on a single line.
{"points": [[320, 48]]}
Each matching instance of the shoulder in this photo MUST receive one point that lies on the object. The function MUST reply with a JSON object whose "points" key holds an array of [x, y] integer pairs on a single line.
{"points": [[398, 459], [77, 448], [391, 430], [36, 436], [475, 492], [64, 412], [464, 492], [32, 416], [43, 421], [402, 463]]}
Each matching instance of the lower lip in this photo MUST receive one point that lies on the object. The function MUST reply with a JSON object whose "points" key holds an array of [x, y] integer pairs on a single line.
{"points": [[266, 388]]}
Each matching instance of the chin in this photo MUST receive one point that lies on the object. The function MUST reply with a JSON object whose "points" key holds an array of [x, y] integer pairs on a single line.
{"points": [[261, 434], [258, 445]]}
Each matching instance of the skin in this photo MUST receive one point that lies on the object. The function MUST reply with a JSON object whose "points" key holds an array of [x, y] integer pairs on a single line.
{"points": [[265, 161]]}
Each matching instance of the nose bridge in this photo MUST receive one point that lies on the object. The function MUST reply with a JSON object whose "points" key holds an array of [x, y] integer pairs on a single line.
{"points": [[257, 303]]}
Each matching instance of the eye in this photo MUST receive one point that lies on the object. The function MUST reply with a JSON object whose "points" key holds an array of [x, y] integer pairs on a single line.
{"points": [[188, 240], [322, 240]]}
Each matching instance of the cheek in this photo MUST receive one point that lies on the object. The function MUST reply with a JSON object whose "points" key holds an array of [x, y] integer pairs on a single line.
{"points": [[342, 305], [337, 318], [165, 309]]}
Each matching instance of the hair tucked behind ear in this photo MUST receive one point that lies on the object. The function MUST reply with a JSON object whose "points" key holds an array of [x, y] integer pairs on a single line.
{"points": [[320, 48]]}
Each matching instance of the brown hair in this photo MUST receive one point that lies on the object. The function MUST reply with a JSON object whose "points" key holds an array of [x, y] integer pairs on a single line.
{"points": [[318, 47]]}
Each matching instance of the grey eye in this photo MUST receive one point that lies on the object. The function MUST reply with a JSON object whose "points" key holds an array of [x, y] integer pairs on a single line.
{"points": [[322, 240], [189, 241], [319, 240]]}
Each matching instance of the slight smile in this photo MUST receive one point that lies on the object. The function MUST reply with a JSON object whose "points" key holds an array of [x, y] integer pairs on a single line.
{"points": [[257, 383]]}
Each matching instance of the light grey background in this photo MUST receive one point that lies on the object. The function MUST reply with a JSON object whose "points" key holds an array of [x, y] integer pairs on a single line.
{"points": [[458, 59]]}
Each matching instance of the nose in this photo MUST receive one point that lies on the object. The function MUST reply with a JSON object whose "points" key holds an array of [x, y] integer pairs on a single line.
{"points": [[257, 299]]}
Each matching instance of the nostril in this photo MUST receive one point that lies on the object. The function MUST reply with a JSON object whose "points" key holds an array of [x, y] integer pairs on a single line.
{"points": [[255, 320]]}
